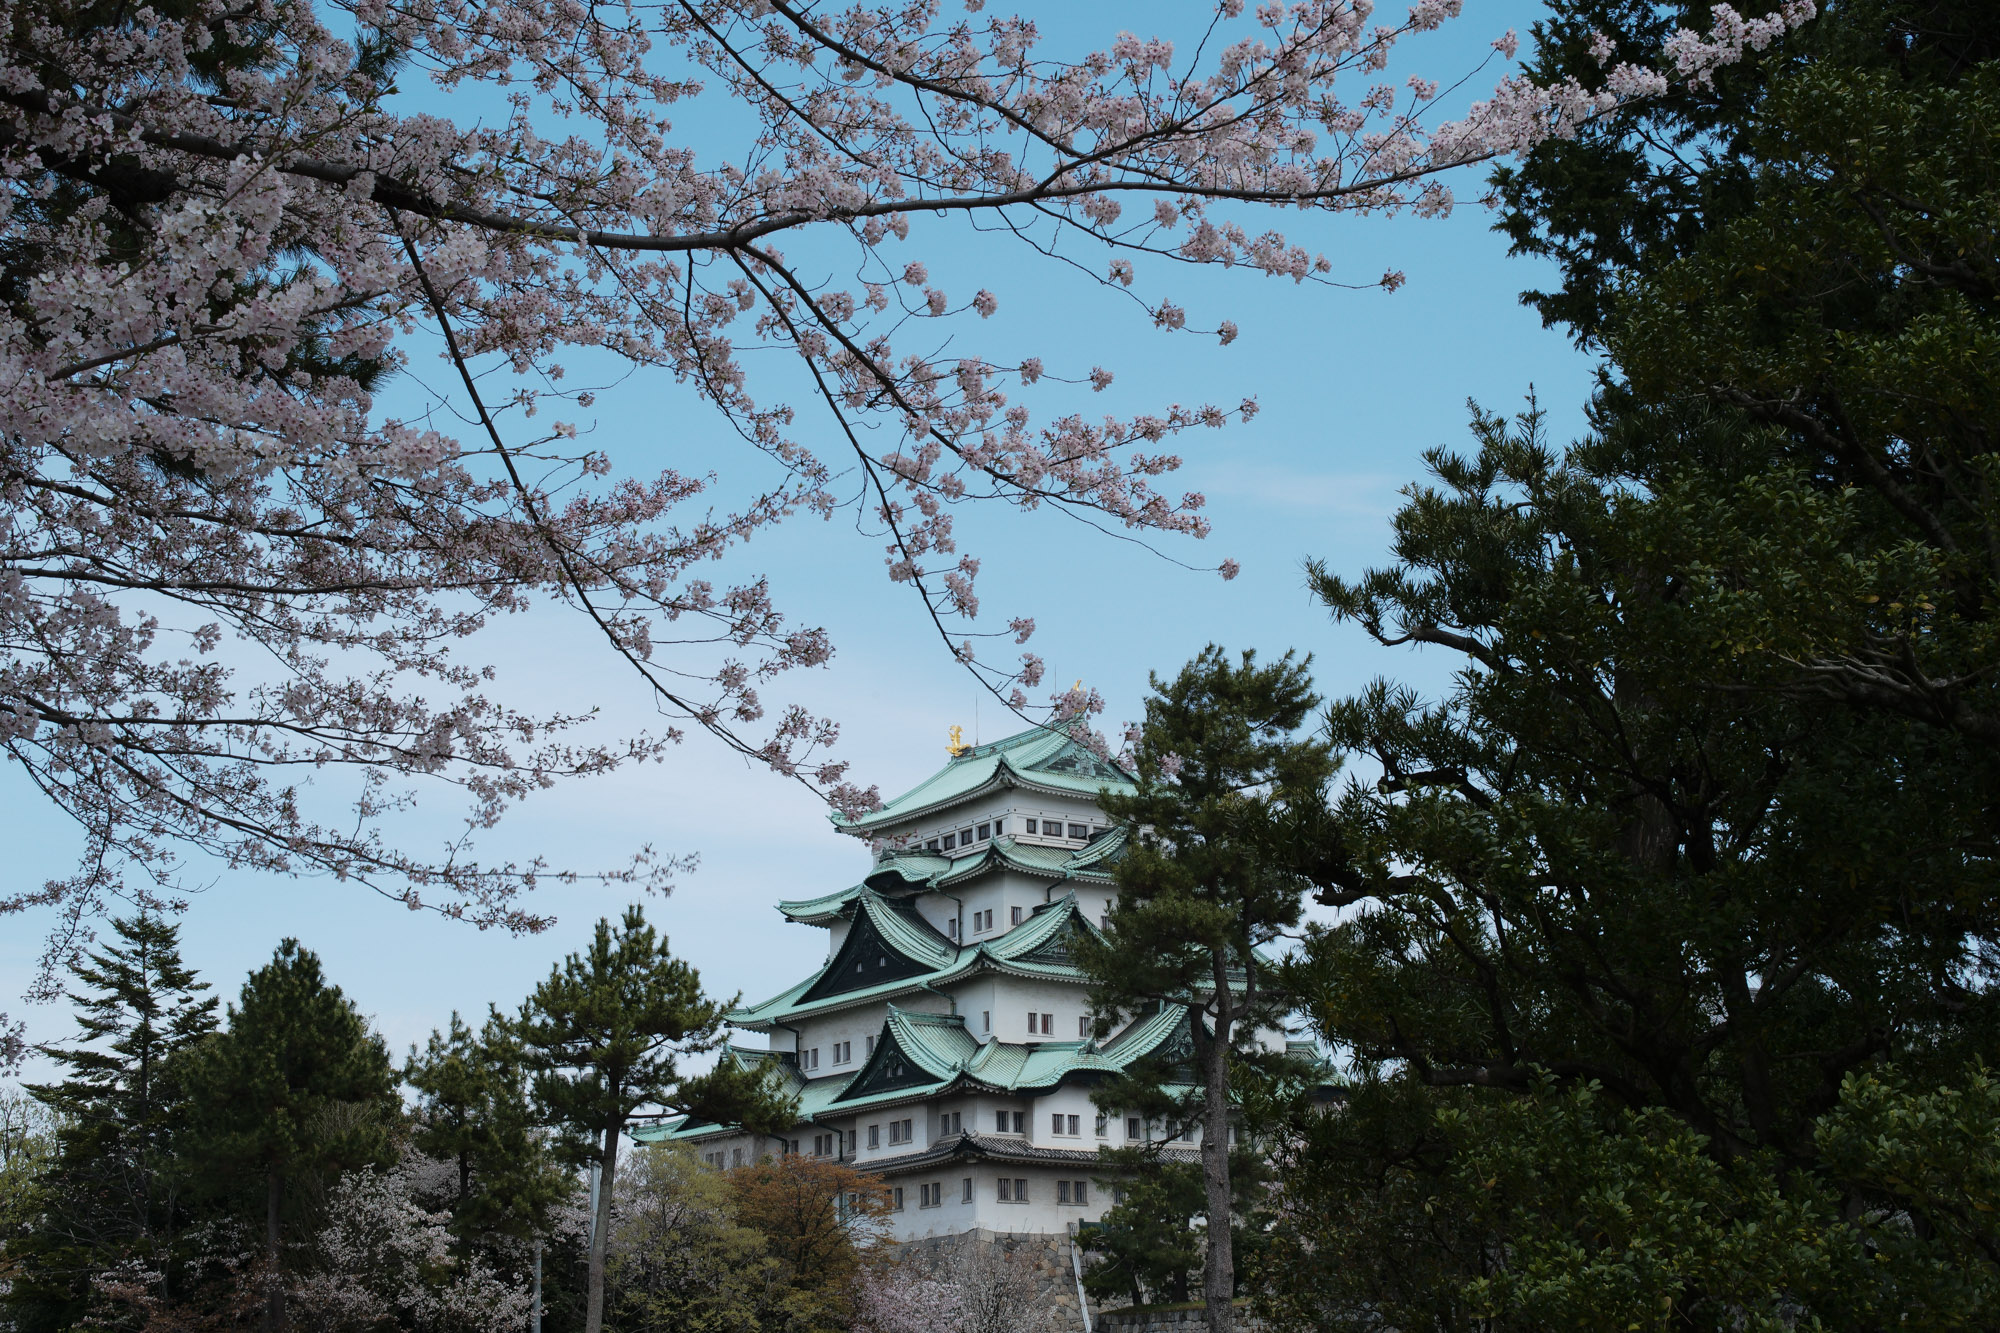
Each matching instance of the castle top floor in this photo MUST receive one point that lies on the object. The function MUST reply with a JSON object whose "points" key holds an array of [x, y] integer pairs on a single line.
{"points": [[1039, 786]]}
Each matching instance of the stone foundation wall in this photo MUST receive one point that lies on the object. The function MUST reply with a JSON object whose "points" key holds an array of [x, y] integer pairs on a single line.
{"points": [[1023, 1283], [1025, 1280]]}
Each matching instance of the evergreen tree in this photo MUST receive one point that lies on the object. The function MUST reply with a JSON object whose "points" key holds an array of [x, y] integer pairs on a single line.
{"points": [[1146, 1243], [1665, 959], [605, 1035], [474, 1111], [297, 1088], [1226, 787], [111, 1192]]}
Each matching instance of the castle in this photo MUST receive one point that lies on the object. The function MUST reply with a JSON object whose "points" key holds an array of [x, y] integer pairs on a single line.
{"points": [[945, 1045]]}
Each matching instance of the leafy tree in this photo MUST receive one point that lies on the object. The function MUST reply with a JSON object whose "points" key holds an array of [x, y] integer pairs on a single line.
{"points": [[1226, 786], [296, 1088], [605, 1035], [1690, 875], [680, 1259], [1146, 1242], [111, 1194], [474, 1111], [1812, 255], [373, 1262], [819, 1219], [1711, 906]]}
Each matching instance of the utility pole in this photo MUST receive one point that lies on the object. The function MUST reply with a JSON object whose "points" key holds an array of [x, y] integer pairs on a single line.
{"points": [[537, 1328]]}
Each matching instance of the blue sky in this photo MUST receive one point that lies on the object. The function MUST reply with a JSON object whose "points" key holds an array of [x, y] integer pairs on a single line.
{"points": [[1353, 386]]}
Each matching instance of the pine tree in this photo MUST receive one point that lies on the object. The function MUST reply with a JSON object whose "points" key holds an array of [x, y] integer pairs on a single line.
{"points": [[605, 1035], [297, 1086], [1226, 788], [111, 1188], [474, 1111]]}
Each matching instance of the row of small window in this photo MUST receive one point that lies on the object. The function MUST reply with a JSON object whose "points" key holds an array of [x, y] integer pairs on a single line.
{"points": [[1008, 1189], [1043, 828], [903, 1131], [983, 921], [843, 1053]]}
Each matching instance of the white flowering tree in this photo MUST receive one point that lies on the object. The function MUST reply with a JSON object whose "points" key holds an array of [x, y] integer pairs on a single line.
{"points": [[382, 1259], [224, 561]]}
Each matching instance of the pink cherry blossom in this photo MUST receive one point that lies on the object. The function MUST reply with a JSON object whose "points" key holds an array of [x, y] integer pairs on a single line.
{"points": [[229, 562]]}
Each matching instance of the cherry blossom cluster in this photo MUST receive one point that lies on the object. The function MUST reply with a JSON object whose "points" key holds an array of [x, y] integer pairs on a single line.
{"points": [[227, 224], [383, 1258]]}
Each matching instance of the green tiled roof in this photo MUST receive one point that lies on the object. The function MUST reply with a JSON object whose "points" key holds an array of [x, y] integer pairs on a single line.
{"points": [[1038, 757], [943, 1057], [931, 870], [821, 909], [1033, 947]]}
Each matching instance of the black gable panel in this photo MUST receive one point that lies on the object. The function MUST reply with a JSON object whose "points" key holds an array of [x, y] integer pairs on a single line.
{"points": [[888, 1070], [865, 960]]}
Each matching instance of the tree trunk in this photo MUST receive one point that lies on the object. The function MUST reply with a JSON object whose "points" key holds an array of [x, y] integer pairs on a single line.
{"points": [[600, 1228], [274, 1282], [1218, 1277]]}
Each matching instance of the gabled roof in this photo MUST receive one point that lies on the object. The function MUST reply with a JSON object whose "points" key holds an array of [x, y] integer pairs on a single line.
{"points": [[922, 1055], [907, 873], [887, 943], [1038, 759], [914, 957]]}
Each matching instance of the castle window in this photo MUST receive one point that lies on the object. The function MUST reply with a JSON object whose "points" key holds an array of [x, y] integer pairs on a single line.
{"points": [[951, 928], [1103, 1121], [931, 846], [1013, 916], [1083, 1027], [1006, 1190], [985, 1020], [1132, 1127], [999, 826], [1062, 1191], [950, 841], [985, 832], [900, 1131], [965, 835], [875, 1135], [1028, 825], [1000, 1122], [1079, 831], [896, 1200], [966, 1196]]}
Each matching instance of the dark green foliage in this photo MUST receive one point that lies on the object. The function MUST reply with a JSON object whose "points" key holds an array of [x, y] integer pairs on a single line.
{"points": [[111, 1193], [1607, 859], [1227, 789], [474, 1111], [295, 1091], [1668, 968], [1146, 1247]]}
